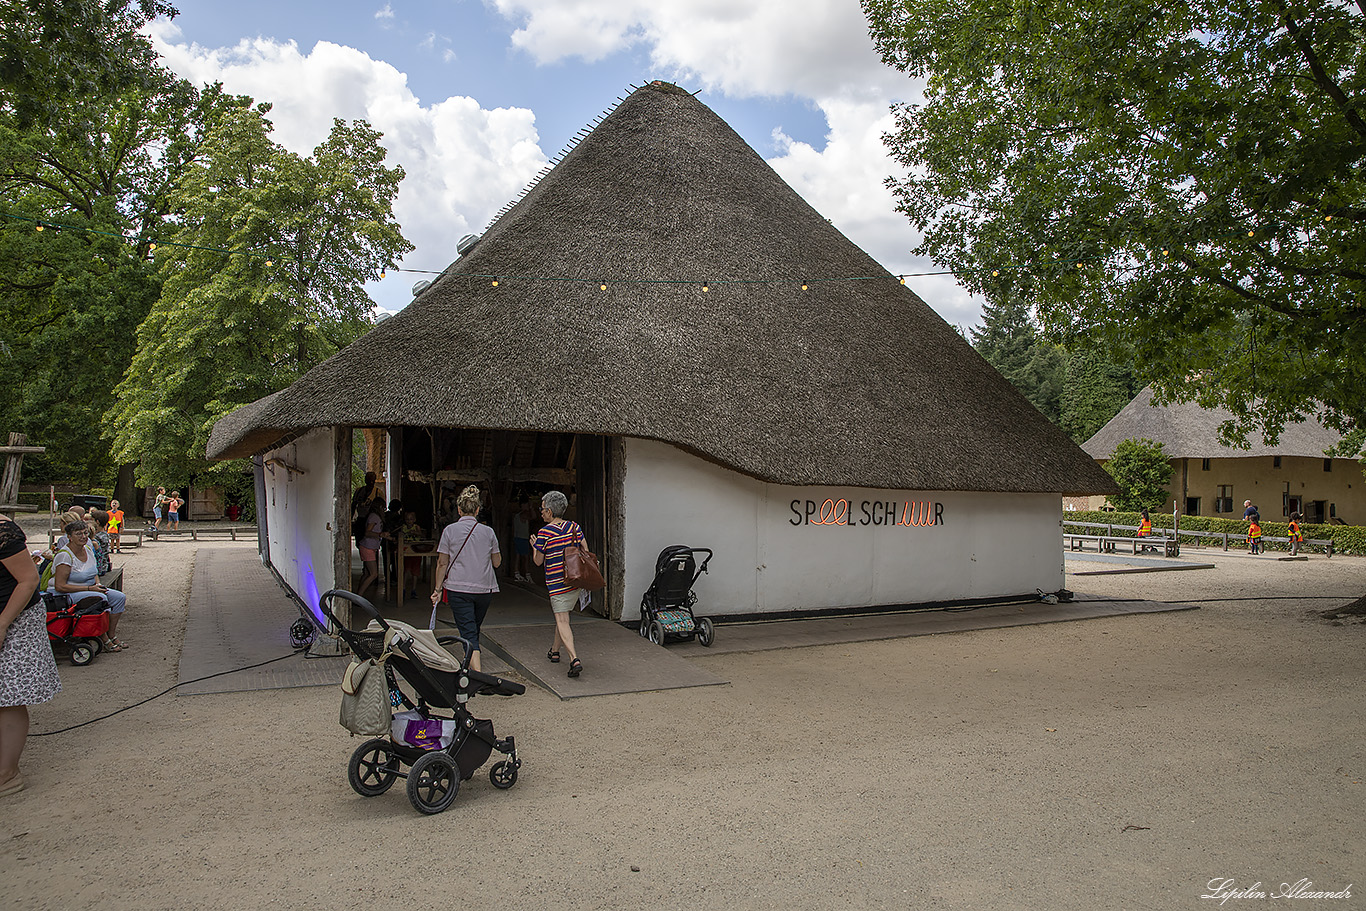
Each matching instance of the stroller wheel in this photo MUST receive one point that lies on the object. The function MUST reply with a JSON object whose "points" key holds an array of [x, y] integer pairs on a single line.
{"points": [[644, 628], [706, 631], [503, 775], [82, 654], [373, 768], [657, 632], [433, 782], [96, 645]]}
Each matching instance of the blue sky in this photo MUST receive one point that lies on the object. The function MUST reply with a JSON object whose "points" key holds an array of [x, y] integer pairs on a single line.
{"points": [[474, 97]]}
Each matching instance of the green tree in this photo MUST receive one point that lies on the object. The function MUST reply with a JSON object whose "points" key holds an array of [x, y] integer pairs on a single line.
{"points": [[262, 280], [1184, 181], [1009, 341], [1142, 471], [90, 151], [1096, 387], [55, 52]]}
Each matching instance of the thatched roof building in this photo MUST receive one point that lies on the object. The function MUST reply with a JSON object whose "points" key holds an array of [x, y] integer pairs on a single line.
{"points": [[1186, 430], [855, 381]]}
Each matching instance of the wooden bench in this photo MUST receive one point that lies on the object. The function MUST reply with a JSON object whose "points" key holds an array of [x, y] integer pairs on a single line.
{"points": [[1109, 544], [231, 531], [130, 537], [113, 579]]}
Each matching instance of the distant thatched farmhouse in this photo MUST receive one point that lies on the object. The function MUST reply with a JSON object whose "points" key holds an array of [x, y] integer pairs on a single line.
{"points": [[665, 330], [1209, 478]]}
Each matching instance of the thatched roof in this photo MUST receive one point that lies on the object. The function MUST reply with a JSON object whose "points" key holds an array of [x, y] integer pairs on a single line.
{"points": [[1188, 431], [849, 383]]}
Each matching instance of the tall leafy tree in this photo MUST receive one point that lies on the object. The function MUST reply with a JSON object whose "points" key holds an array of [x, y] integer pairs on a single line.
{"points": [[1183, 180], [1096, 386], [1142, 470], [262, 279], [1010, 342], [94, 136]]}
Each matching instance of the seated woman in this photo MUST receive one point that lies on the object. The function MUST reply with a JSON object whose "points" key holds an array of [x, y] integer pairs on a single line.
{"points": [[75, 575]]}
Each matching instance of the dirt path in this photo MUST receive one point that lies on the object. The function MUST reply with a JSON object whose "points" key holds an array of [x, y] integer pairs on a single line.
{"points": [[1115, 763]]}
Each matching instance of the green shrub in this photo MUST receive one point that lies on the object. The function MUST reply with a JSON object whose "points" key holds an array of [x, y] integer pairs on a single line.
{"points": [[1347, 539]]}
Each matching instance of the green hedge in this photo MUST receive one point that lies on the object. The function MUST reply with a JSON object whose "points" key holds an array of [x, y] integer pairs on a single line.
{"points": [[1347, 539]]}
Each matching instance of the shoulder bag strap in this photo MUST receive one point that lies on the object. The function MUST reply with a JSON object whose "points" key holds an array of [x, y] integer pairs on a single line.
{"points": [[457, 553]]}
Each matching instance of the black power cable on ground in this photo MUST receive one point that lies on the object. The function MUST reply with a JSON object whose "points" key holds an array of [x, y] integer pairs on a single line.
{"points": [[164, 692]]}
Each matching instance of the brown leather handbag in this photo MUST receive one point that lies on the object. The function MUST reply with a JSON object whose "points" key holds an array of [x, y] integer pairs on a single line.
{"points": [[581, 569]]}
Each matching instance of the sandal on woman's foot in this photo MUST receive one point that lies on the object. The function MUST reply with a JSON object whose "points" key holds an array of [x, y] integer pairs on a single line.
{"points": [[119, 642], [575, 667], [553, 655], [111, 646]]}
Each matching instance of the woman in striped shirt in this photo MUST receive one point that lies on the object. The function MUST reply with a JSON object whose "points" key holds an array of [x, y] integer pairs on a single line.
{"points": [[547, 549]]}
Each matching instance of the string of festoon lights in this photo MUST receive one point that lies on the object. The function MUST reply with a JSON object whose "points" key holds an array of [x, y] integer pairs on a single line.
{"points": [[706, 285]]}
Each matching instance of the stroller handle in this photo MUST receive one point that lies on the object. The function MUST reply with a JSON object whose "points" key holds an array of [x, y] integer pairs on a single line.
{"points": [[708, 552], [366, 608]]}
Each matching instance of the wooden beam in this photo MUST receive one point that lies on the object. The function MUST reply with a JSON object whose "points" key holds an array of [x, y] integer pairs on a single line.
{"points": [[341, 516], [21, 450]]}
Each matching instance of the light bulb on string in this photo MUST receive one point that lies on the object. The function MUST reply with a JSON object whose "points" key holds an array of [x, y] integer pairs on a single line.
{"points": [[151, 247], [38, 226], [270, 262], [994, 273], [706, 286], [1327, 218], [1250, 233], [803, 286], [903, 279], [602, 286], [495, 282]]}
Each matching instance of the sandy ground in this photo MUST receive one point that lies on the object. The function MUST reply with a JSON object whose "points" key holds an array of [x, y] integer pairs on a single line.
{"points": [[1114, 763]]}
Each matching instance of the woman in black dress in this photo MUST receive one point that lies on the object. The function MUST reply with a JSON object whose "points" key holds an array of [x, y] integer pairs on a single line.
{"points": [[28, 674]]}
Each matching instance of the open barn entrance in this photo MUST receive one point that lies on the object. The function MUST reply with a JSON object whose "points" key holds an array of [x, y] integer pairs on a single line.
{"points": [[429, 466]]}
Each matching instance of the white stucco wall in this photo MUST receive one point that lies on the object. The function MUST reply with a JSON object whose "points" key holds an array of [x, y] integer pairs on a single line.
{"points": [[300, 506], [983, 545]]}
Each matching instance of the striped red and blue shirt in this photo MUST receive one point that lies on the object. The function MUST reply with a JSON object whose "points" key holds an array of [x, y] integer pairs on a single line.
{"points": [[551, 541]]}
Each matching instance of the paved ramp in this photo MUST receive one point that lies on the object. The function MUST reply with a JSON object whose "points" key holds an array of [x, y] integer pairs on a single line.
{"points": [[615, 659], [239, 616]]}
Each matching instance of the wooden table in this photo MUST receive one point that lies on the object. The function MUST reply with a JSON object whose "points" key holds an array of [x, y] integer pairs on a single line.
{"points": [[422, 550]]}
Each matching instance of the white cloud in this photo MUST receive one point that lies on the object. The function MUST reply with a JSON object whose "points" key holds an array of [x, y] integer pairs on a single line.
{"points": [[385, 14], [462, 162]]}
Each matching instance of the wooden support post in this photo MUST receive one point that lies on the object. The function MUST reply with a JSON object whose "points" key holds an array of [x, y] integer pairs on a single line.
{"points": [[341, 510], [340, 524]]}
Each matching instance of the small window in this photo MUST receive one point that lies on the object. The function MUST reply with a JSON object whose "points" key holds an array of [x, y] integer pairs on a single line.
{"points": [[1192, 506], [1223, 502], [1327, 464], [1204, 464], [1332, 510], [1276, 462]]}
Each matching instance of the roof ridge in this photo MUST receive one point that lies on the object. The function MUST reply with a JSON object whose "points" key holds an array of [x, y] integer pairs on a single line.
{"points": [[578, 137]]}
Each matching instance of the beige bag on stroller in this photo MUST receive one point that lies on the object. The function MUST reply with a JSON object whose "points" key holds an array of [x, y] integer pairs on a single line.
{"points": [[365, 706]]}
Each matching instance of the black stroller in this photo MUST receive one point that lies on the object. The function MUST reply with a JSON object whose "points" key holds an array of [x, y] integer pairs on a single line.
{"points": [[666, 608], [435, 774]]}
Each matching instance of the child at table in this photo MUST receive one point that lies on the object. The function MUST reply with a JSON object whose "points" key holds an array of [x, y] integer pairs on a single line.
{"points": [[412, 566]]}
